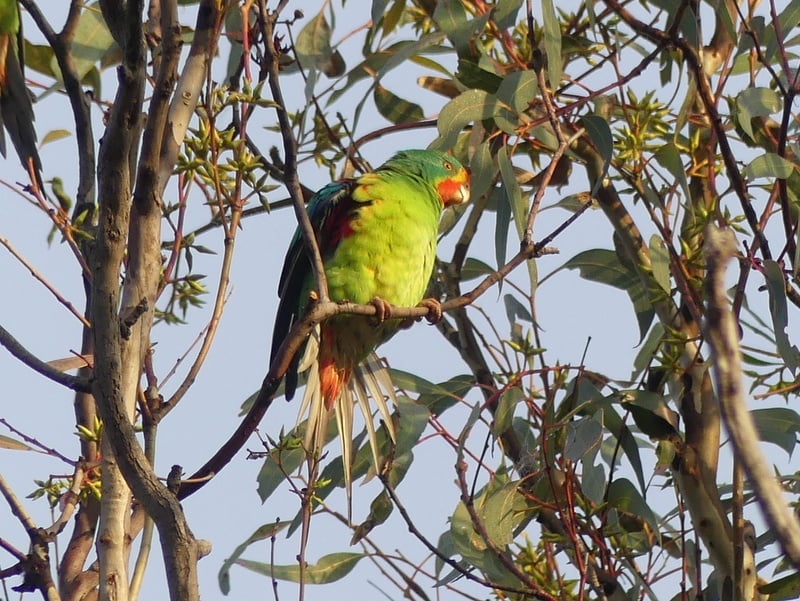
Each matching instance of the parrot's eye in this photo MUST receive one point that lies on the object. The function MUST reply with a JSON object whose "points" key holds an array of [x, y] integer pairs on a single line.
{"points": [[448, 166]]}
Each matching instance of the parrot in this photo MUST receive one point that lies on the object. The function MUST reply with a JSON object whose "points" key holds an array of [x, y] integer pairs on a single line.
{"points": [[377, 237], [16, 110]]}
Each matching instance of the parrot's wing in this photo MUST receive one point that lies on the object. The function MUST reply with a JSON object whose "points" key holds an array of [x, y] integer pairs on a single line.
{"points": [[327, 210]]}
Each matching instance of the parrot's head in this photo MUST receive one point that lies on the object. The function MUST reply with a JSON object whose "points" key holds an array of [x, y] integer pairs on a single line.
{"points": [[447, 176]]}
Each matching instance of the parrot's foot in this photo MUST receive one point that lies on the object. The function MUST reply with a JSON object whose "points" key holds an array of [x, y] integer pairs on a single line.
{"points": [[434, 315], [383, 310], [434, 308]]}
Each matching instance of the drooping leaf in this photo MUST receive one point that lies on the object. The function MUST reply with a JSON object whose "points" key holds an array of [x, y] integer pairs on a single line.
{"points": [[776, 286], [281, 461], [92, 41], [329, 568], [262, 533], [54, 135], [603, 266], [552, 43], [501, 227]]}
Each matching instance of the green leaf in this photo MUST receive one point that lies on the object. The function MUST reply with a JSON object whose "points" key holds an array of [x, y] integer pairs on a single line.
{"points": [[651, 413], [776, 286], [788, 19], [468, 107], [262, 533], [501, 226], [474, 77], [474, 269], [436, 397], [329, 568], [768, 165], [275, 467], [659, 259], [600, 133], [515, 309], [453, 20], [583, 436], [519, 90], [603, 266], [782, 589], [670, 159], [552, 43], [505, 13], [413, 421], [506, 405], [395, 109], [91, 42], [778, 425], [622, 495], [622, 433], [483, 169], [756, 102], [313, 47]]}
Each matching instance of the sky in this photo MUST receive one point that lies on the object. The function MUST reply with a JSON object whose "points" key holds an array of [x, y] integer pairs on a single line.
{"points": [[228, 509]]}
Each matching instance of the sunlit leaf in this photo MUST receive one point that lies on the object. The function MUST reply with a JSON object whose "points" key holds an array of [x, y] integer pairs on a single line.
{"points": [[55, 134], [329, 568]]}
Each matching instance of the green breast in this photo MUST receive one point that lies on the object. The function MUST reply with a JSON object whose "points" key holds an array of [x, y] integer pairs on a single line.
{"points": [[390, 254]]}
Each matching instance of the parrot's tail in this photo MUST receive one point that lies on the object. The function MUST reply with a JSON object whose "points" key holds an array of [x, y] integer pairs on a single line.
{"points": [[368, 380]]}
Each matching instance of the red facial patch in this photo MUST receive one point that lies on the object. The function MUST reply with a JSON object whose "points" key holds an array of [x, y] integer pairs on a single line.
{"points": [[451, 190]]}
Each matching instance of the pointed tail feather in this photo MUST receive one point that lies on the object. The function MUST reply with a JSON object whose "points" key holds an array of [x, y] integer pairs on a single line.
{"points": [[370, 380]]}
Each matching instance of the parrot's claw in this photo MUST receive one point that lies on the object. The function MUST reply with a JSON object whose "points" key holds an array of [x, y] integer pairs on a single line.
{"points": [[434, 307], [383, 310]]}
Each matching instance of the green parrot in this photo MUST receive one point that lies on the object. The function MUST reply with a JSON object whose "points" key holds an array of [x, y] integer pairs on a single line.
{"points": [[16, 110], [377, 237]]}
